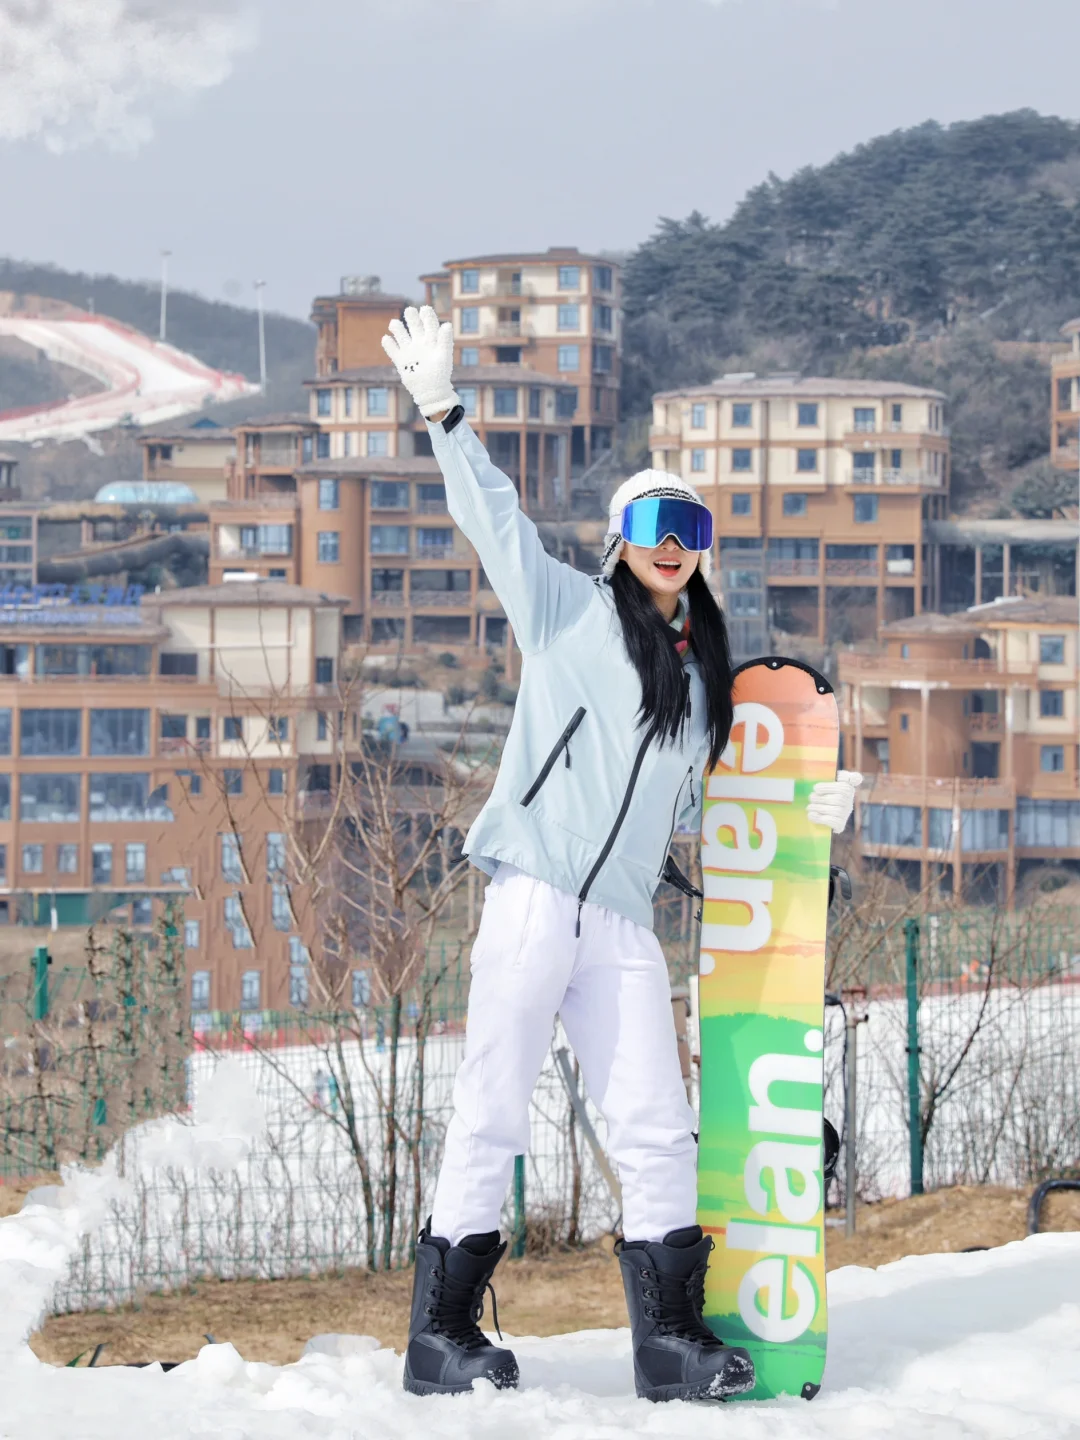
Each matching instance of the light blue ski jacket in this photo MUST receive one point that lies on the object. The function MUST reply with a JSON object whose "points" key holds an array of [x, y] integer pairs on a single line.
{"points": [[580, 799]]}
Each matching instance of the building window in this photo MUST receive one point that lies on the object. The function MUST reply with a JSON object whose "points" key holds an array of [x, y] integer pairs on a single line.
{"points": [[5, 732], [794, 505], [470, 282], [862, 467], [897, 415], [33, 859], [470, 320], [322, 447], [434, 542], [50, 732], [135, 863], [806, 461], [742, 459], [865, 509], [601, 277], [322, 726], [506, 400], [569, 317], [467, 396], [378, 400], [346, 444], [905, 721], [251, 990], [299, 986], [236, 923], [329, 494], [142, 911], [101, 864], [191, 937], [697, 417], [865, 419], [569, 359], [232, 864], [535, 403], [5, 797], [389, 495], [697, 460], [808, 413], [603, 360], [278, 729], [349, 402], [378, 444], [1051, 704], [275, 855], [566, 402], [3, 864], [200, 983], [49, 799], [275, 784], [323, 404], [741, 505], [742, 416], [1052, 759], [601, 317], [470, 356], [280, 909], [67, 859], [569, 277], [1051, 649], [329, 547], [173, 727], [324, 670], [192, 780], [390, 540], [307, 449], [179, 663], [232, 727], [232, 781]]}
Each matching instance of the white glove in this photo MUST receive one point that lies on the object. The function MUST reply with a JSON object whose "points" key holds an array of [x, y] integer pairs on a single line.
{"points": [[422, 351], [832, 801]]}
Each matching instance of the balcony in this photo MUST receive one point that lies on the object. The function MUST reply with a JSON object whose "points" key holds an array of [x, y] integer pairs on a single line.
{"points": [[432, 507], [440, 600], [436, 552], [388, 600], [985, 722], [793, 569], [894, 671], [940, 792], [851, 569]]}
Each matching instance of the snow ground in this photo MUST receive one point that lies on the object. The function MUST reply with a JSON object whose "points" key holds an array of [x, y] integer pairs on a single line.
{"points": [[953, 1347]]}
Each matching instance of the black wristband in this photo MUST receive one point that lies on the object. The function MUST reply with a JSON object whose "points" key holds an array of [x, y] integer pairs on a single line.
{"points": [[454, 419]]}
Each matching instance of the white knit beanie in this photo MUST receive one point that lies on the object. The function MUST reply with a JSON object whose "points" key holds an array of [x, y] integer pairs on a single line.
{"points": [[646, 485]]}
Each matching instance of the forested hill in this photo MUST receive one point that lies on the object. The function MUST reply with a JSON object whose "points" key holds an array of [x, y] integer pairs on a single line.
{"points": [[222, 335], [968, 234]]}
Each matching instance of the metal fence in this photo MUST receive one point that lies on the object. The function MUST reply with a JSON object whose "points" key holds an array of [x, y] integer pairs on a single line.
{"points": [[297, 1144]]}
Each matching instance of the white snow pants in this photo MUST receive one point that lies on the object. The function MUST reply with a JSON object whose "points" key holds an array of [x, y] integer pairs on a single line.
{"points": [[611, 989]]}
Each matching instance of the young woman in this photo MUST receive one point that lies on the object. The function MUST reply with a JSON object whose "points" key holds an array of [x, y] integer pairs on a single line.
{"points": [[625, 700]]}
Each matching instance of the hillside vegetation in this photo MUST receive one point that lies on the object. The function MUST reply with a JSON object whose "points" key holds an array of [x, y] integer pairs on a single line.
{"points": [[963, 236]]}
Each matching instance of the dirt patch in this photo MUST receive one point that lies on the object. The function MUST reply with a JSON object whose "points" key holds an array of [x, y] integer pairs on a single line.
{"points": [[273, 1320], [14, 1192]]}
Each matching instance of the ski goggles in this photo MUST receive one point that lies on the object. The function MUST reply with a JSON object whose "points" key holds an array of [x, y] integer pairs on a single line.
{"points": [[649, 522]]}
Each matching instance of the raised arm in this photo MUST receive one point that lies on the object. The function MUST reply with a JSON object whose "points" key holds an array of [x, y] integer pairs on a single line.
{"points": [[540, 595]]}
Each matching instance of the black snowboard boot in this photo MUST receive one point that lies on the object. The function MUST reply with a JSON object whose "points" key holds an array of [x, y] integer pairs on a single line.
{"points": [[447, 1349], [676, 1355]]}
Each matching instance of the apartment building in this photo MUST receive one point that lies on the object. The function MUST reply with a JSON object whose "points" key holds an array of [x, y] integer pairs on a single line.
{"points": [[350, 325], [559, 313], [1065, 401], [18, 530], [160, 747], [819, 490], [199, 456], [967, 728]]}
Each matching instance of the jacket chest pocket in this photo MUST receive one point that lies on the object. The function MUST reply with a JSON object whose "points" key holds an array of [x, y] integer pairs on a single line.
{"points": [[561, 747]]}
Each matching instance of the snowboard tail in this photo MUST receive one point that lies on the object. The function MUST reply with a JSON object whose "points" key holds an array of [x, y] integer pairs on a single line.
{"points": [[761, 994]]}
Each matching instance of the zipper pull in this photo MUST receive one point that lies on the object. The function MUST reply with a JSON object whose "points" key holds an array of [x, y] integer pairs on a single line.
{"points": [[577, 927], [567, 753], [692, 800]]}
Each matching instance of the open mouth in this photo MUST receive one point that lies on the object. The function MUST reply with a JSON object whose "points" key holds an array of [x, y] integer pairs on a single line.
{"points": [[668, 567]]}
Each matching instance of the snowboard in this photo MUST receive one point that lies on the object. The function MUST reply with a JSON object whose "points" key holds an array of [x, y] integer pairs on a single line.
{"points": [[761, 1005]]}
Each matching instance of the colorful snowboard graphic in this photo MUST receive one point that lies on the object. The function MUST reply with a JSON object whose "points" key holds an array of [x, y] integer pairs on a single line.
{"points": [[761, 1007]]}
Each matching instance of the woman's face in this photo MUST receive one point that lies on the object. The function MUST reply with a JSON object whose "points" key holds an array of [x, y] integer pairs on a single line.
{"points": [[663, 570]]}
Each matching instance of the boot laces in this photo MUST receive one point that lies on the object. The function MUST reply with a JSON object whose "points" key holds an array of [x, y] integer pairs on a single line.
{"points": [[457, 1307], [678, 1303]]}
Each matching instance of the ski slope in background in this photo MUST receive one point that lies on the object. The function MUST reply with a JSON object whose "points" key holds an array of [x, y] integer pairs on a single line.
{"points": [[147, 381], [954, 1347]]}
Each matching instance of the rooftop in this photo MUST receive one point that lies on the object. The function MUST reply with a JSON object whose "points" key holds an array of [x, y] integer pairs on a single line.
{"points": [[272, 422], [998, 532], [554, 255], [816, 386], [202, 430], [375, 465], [1006, 610], [243, 592]]}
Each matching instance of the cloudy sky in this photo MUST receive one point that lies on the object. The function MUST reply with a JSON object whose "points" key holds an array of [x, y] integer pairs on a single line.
{"points": [[300, 140]]}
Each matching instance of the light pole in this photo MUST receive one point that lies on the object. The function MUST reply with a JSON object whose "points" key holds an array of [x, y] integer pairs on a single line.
{"points": [[260, 285], [164, 291]]}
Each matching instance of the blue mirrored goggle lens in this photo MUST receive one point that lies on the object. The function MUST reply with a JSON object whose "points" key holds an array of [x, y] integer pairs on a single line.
{"points": [[649, 522]]}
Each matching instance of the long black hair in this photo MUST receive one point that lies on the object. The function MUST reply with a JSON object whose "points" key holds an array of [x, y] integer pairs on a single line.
{"points": [[650, 643]]}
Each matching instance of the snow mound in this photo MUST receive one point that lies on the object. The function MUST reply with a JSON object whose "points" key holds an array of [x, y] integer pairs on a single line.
{"points": [[954, 1347]]}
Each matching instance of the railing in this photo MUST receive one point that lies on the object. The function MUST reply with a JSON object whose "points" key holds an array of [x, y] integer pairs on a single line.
{"points": [[864, 427], [805, 568], [395, 508], [264, 502], [866, 569], [432, 507], [985, 722], [435, 552], [937, 791], [388, 600], [388, 550], [911, 477], [440, 600], [175, 745], [893, 670]]}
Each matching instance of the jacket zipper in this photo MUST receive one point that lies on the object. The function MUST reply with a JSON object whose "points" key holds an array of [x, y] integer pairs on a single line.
{"points": [[675, 818], [563, 743], [583, 893]]}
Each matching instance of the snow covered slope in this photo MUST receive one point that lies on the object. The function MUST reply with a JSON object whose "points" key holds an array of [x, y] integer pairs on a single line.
{"points": [[147, 381], [953, 1347]]}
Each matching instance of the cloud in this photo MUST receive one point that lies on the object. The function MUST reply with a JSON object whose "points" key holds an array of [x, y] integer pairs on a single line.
{"points": [[78, 72]]}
